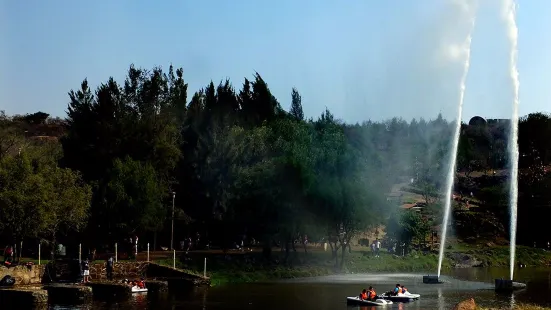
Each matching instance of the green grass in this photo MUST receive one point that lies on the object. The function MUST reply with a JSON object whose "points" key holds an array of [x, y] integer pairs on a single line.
{"points": [[250, 267], [498, 256]]}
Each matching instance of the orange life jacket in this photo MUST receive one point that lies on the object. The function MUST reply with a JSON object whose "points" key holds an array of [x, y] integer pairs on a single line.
{"points": [[364, 296], [372, 294], [399, 290]]}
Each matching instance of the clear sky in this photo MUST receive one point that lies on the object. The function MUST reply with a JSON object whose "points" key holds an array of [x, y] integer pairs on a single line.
{"points": [[363, 59]]}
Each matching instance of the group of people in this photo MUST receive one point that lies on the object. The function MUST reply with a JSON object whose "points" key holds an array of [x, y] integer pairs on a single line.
{"points": [[135, 284], [370, 294], [85, 267], [399, 289]]}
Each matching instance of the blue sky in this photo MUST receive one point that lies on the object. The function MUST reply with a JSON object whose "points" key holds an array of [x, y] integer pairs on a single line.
{"points": [[363, 59]]}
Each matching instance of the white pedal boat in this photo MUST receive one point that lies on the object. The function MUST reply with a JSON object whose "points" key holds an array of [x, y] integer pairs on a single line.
{"points": [[136, 289], [357, 301], [401, 297]]}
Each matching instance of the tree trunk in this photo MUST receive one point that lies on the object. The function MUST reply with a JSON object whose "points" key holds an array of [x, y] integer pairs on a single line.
{"points": [[267, 249], [287, 249], [20, 251], [335, 253], [343, 253], [53, 244]]}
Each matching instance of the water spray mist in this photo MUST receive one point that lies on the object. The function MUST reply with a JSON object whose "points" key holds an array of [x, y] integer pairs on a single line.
{"points": [[451, 173], [509, 7]]}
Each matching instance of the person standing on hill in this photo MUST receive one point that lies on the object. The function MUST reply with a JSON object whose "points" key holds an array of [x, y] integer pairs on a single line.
{"points": [[8, 254], [109, 267], [377, 247], [86, 271]]}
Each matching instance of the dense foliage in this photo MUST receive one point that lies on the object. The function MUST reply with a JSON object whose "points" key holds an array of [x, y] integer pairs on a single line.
{"points": [[240, 164]]}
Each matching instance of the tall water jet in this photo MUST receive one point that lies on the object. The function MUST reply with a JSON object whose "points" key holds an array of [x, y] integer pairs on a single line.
{"points": [[509, 7], [451, 173]]}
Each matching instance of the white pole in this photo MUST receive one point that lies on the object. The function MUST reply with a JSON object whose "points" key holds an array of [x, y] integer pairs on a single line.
{"points": [[136, 248], [39, 253], [174, 259], [205, 268], [116, 256], [148, 251], [80, 252]]}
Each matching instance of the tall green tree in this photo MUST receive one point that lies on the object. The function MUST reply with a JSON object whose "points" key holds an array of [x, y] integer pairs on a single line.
{"points": [[66, 203], [296, 105], [21, 198], [134, 198]]}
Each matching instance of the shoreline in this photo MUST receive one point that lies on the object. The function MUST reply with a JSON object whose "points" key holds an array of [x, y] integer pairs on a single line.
{"points": [[249, 267]]}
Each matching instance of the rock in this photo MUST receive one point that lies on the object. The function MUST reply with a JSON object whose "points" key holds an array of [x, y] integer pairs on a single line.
{"points": [[468, 304], [22, 274], [465, 261], [156, 286], [23, 298], [107, 289]]}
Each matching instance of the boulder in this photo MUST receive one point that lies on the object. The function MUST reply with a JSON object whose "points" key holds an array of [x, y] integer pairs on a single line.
{"points": [[468, 304]]}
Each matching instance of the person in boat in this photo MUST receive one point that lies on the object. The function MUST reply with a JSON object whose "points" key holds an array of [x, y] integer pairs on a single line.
{"points": [[371, 294], [404, 289], [141, 283], [397, 290], [363, 295]]}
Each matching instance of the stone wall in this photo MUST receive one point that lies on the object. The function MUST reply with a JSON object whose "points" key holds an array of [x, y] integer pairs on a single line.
{"points": [[121, 270], [157, 271], [24, 298], [23, 274]]}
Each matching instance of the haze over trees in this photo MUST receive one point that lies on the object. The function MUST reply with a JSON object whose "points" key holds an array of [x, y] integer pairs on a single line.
{"points": [[241, 164]]}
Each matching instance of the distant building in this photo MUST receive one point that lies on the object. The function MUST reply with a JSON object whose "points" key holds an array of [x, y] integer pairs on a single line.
{"points": [[499, 121], [480, 121], [477, 121]]}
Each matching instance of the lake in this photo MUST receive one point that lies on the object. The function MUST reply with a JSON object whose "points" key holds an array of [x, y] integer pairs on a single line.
{"points": [[328, 293]]}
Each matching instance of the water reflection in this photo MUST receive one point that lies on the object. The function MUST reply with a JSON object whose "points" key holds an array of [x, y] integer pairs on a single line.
{"points": [[329, 293], [441, 301]]}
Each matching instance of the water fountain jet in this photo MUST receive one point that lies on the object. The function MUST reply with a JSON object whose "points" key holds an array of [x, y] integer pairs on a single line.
{"points": [[512, 34], [453, 158], [509, 285]]}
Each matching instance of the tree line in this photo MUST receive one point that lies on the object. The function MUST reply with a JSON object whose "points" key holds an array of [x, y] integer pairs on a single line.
{"points": [[236, 162]]}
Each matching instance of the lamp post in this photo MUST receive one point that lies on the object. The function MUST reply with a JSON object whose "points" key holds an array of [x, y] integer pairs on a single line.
{"points": [[172, 230]]}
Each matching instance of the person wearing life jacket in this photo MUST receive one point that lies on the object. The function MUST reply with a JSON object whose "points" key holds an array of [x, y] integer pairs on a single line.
{"points": [[363, 295], [140, 283], [371, 294], [397, 290], [404, 290]]}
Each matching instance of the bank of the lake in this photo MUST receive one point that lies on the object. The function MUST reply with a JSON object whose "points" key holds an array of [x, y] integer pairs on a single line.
{"points": [[238, 267], [518, 307]]}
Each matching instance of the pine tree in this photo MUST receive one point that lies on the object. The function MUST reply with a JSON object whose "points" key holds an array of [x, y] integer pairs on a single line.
{"points": [[296, 105]]}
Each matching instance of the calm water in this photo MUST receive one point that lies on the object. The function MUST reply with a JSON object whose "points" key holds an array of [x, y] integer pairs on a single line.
{"points": [[328, 293]]}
